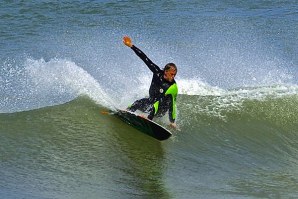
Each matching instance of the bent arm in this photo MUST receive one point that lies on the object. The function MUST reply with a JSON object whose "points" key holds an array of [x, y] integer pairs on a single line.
{"points": [[153, 67]]}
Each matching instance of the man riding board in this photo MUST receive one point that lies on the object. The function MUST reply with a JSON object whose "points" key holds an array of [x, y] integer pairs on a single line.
{"points": [[163, 89]]}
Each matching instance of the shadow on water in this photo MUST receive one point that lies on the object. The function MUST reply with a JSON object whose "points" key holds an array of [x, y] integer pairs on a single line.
{"points": [[142, 161]]}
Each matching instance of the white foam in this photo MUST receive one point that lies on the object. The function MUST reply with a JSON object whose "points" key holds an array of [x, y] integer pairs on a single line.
{"points": [[219, 101], [197, 87], [65, 77]]}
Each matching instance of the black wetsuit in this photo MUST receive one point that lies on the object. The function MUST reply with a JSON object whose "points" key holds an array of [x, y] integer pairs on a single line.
{"points": [[162, 93]]}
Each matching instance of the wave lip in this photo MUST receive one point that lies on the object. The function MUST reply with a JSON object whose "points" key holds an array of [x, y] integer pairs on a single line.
{"points": [[46, 83]]}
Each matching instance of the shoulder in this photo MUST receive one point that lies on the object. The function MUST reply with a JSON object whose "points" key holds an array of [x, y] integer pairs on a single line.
{"points": [[173, 83], [173, 89], [159, 73]]}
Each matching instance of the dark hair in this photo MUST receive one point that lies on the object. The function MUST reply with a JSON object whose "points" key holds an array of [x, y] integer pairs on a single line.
{"points": [[170, 65]]}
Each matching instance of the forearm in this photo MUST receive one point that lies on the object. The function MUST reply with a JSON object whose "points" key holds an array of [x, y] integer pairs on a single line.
{"points": [[153, 67], [172, 115], [139, 53], [171, 118]]}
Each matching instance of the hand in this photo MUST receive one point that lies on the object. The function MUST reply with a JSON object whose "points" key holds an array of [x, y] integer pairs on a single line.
{"points": [[173, 125], [127, 41]]}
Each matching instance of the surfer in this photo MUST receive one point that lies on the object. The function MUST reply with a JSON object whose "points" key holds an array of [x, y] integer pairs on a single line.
{"points": [[163, 89]]}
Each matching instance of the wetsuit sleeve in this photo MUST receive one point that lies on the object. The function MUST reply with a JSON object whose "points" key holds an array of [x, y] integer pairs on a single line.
{"points": [[153, 67], [172, 110], [172, 92]]}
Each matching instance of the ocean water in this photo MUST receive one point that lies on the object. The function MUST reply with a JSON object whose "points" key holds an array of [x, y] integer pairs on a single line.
{"points": [[62, 63]]}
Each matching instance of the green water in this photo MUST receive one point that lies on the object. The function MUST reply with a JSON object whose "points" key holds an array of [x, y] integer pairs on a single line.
{"points": [[74, 151]]}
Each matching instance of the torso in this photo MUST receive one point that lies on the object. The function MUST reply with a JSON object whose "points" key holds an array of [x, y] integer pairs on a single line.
{"points": [[159, 86]]}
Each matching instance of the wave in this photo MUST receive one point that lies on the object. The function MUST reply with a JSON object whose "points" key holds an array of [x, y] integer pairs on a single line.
{"points": [[39, 83], [232, 126], [274, 107], [205, 122], [247, 143], [275, 104]]}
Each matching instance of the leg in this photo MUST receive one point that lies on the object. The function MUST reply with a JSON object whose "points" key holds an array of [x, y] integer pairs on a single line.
{"points": [[157, 109], [151, 114], [142, 104]]}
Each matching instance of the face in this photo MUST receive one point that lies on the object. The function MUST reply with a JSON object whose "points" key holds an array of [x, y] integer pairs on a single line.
{"points": [[170, 74]]}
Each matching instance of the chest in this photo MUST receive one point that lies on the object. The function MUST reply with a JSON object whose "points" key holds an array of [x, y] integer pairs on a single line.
{"points": [[160, 83]]}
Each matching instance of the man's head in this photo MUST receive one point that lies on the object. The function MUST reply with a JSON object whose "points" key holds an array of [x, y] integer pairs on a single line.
{"points": [[170, 71]]}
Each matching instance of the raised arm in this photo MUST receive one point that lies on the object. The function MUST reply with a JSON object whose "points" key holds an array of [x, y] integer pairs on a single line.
{"points": [[153, 67]]}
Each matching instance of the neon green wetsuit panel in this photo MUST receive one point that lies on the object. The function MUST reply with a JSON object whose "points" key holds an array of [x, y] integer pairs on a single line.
{"points": [[173, 91]]}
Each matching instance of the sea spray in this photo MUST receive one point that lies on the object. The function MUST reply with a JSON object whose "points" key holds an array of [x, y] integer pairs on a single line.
{"points": [[275, 104], [38, 83], [64, 76]]}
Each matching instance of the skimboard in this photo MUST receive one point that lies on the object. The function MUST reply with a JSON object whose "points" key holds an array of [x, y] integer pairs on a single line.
{"points": [[144, 125]]}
